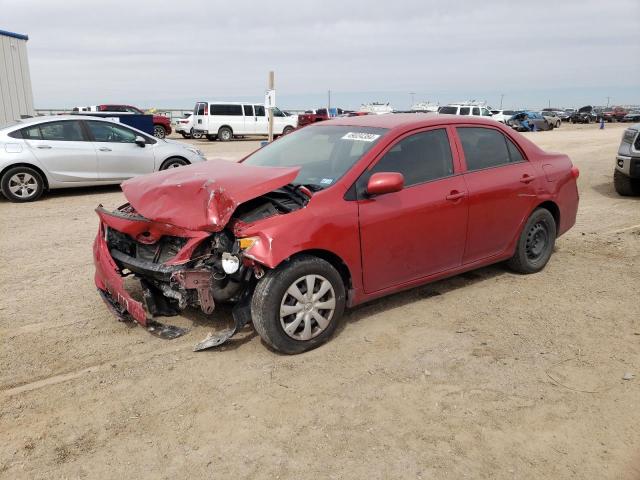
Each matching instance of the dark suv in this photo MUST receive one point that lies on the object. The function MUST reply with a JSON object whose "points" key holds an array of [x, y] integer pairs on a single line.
{"points": [[626, 176]]}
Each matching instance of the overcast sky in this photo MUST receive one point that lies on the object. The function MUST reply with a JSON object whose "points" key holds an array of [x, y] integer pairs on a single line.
{"points": [[170, 54]]}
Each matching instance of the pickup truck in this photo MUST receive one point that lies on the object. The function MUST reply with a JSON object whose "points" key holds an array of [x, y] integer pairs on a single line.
{"points": [[615, 114]]}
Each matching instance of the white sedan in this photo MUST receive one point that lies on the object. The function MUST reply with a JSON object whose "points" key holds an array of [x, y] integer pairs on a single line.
{"points": [[62, 151]]}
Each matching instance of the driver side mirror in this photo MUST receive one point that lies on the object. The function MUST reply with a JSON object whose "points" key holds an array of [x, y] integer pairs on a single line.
{"points": [[140, 141], [385, 182]]}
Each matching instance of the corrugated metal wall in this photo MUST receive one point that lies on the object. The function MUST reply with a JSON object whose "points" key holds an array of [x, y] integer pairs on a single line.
{"points": [[16, 96]]}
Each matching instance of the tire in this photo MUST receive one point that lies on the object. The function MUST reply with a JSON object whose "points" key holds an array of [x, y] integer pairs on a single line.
{"points": [[173, 162], [287, 130], [22, 184], [535, 245], [272, 294], [225, 134], [159, 131], [185, 135], [624, 185]]}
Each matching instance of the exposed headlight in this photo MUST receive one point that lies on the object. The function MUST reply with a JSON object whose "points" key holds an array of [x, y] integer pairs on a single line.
{"points": [[230, 263]]}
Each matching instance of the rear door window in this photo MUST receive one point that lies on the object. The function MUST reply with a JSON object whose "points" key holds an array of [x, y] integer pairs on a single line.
{"points": [[487, 148], [201, 109], [476, 111], [448, 110], [68, 131], [108, 132], [259, 110], [464, 110], [248, 110]]}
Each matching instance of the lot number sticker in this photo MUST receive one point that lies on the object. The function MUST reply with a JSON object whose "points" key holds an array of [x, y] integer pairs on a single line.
{"points": [[361, 137]]}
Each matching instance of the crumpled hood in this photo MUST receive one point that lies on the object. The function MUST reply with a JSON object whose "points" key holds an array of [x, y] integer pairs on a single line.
{"points": [[205, 195]]}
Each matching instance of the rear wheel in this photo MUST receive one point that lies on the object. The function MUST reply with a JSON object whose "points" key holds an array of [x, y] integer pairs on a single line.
{"points": [[535, 245], [159, 131], [287, 130], [225, 134], [22, 184], [624, 185], [173, 163], [297, 306]]}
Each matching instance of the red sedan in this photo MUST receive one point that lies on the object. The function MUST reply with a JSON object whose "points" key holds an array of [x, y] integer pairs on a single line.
{"points": [[330, 216]]}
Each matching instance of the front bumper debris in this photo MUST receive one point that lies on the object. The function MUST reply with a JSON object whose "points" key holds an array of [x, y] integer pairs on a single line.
{"points": [[171, 281]]}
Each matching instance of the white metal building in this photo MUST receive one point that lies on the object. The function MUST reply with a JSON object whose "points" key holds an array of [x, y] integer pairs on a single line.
{"points": [[16, 96]]}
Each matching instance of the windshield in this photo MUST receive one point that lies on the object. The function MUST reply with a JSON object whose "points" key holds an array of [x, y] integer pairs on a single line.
{"points": [[325, 152]]}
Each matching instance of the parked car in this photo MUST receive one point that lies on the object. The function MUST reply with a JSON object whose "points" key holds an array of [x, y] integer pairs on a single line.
{"points": [[465, 109], [502, 116], [527, 121], [61, 151], [335, 214], [184, 126], [586, 114], [614, 114], [319, 115], [552, 118], [161, 124], [633, 116], [226, 120], [626, 176]]}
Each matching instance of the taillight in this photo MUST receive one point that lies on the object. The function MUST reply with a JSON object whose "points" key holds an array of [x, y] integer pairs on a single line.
{"points": [[575, 172]]}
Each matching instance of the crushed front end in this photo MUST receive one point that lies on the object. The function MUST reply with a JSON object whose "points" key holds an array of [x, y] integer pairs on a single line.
{"points": [[177, 268]]}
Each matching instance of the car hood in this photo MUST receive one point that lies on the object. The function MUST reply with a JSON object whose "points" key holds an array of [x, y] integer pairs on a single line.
{"points": [[205, 195]]}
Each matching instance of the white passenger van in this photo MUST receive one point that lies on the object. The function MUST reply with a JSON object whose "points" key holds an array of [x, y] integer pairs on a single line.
{"points": [[225, 120]]}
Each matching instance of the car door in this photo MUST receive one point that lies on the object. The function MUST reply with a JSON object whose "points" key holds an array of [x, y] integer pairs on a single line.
{"points": [[250, 119], [63, 149], [420, 230], [119, 157], [262, 122], [501, 185], [200, 116]]}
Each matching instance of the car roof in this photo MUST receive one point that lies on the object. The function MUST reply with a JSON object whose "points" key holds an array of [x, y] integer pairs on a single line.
{"points": [[50, 118], [407, 120]]}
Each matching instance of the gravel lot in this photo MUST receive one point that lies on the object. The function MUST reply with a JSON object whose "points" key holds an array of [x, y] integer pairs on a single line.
{"points": [[486, 375]]}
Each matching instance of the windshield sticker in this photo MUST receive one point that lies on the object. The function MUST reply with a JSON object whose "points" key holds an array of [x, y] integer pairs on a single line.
{"points": [[326, 181], [361, 136]]}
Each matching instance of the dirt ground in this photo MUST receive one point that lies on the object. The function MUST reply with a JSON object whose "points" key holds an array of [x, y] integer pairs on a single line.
{"points": [[488, 375]]}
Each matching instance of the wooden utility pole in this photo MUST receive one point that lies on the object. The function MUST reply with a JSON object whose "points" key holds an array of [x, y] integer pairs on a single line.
{"points": [[271, 87]]}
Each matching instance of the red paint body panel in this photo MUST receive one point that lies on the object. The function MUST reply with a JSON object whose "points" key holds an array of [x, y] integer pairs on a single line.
{"points": [[108, 279], [388, 243], [202, 196]]}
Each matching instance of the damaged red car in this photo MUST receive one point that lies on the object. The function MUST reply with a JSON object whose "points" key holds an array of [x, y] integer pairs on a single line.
{"points": [[330, 216]]}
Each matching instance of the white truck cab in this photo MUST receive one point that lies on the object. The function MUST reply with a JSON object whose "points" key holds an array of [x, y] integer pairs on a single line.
{"points": [[225, 120]]}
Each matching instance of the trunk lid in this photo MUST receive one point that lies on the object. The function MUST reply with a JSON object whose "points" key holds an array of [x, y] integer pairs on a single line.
{"points": [[205, 195]]}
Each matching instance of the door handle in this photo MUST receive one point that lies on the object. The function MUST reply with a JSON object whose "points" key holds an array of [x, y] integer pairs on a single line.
{"points": [[104, 149], [526, 178], [455, 195], [44, 147]]}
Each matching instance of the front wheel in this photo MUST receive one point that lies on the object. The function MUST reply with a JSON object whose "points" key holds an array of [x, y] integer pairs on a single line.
{"points": [[159, 131], [287, 130], [173, 163], [297, 306], [22, 184], [535, 245], [225, 134]]}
